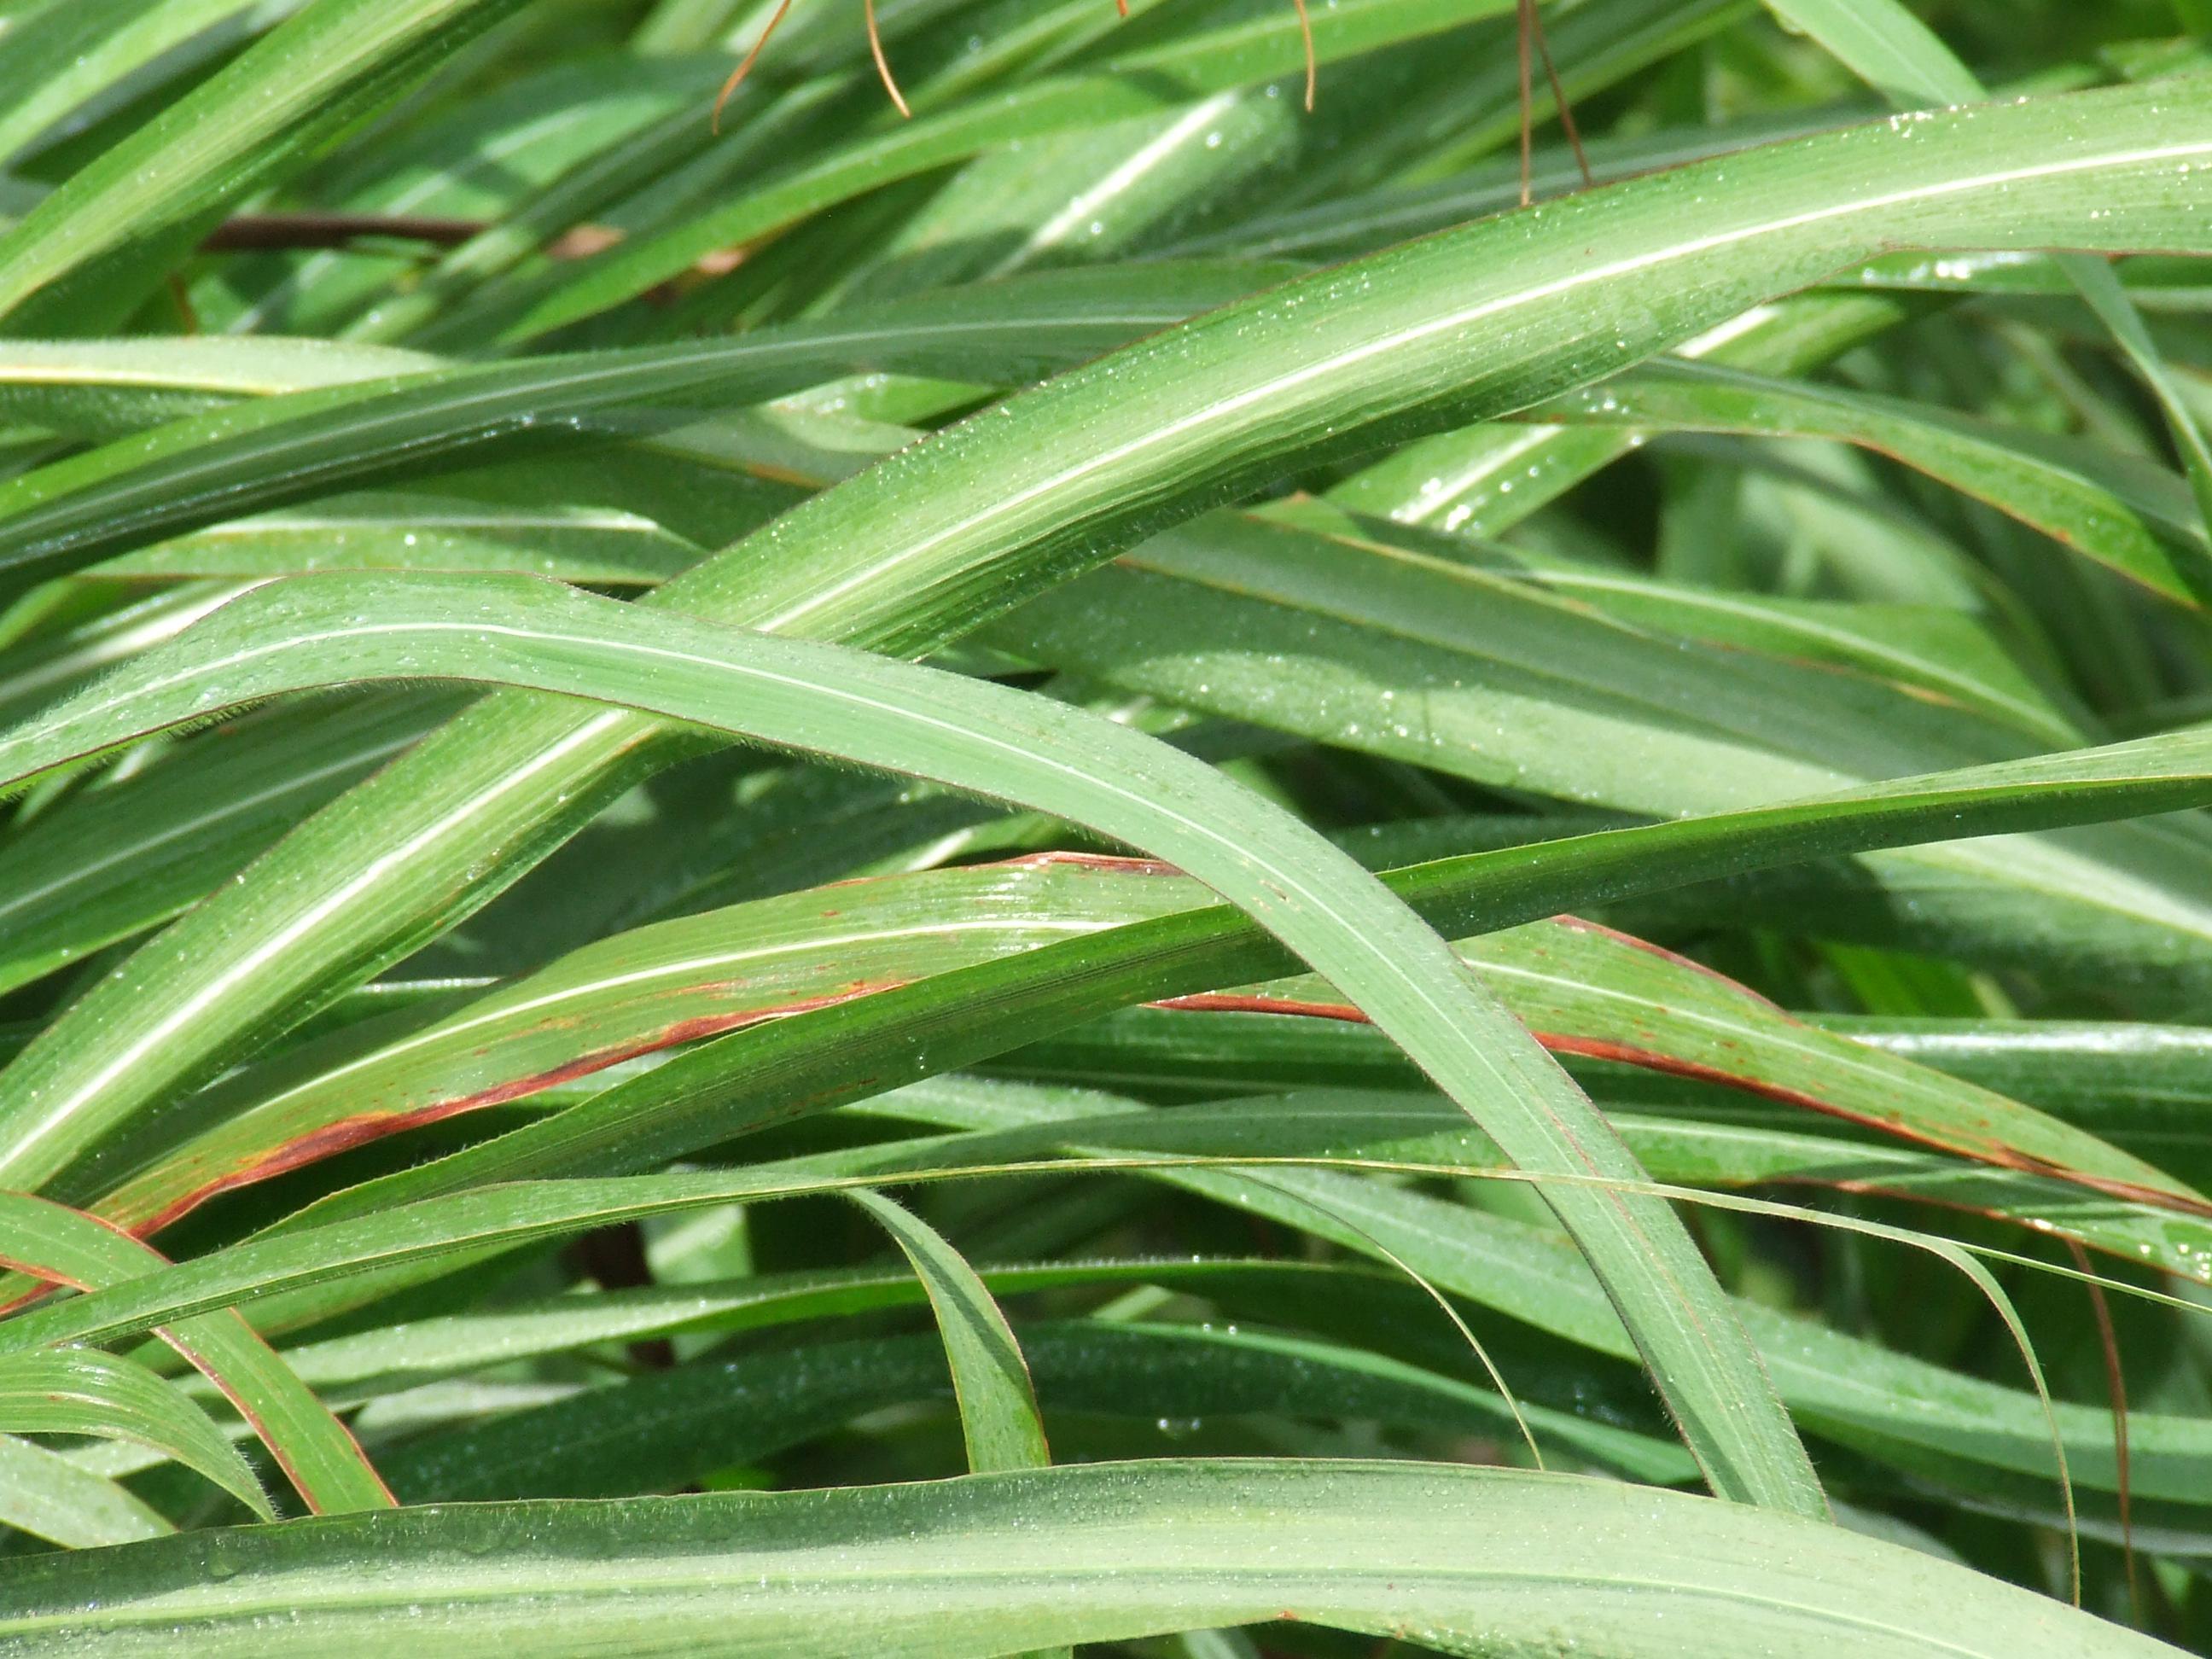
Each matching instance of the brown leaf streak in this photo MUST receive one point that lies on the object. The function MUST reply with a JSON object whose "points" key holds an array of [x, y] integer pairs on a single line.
{"points": [[1736, 988], [2116, 1384], [253, 1419], [329, 1139], [1114, 861], [1993, 1153]]}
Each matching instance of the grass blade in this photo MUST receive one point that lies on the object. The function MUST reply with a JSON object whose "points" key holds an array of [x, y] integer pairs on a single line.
{"points": [[312, 1447], [80, 1391], [1130, 787], [1285, 377], [998, 1402], [1061, 1555]]}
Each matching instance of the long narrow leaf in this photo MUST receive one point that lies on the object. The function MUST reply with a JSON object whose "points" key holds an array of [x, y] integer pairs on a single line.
{"points": [[1079, 766], [1465, 1557]]}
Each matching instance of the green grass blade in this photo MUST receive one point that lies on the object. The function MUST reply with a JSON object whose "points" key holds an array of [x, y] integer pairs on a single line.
{"points": [[338, 432], [2135, 519], [716, 1412], [64, 55], [106, 865], [1086, 1364], [82, 1391], [46, 1496], [312, 1447], [1909, 62], [208, 144], [1199, 411], [1076, 1554], [1886, 46], [991, 1380], [1130, 787]]}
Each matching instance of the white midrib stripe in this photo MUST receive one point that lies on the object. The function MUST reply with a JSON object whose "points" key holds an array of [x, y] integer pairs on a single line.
{"points": [[211, 991], [133, 851], [1139, 161], [448, 1031], [612, 719], [1268, 390]]}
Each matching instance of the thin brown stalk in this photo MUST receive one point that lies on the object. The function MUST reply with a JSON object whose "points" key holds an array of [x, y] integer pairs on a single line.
{"points": [[738, 76], [1305, 35], [883, 64], [1558, 95], [2116, 1384], [1526, 36]]}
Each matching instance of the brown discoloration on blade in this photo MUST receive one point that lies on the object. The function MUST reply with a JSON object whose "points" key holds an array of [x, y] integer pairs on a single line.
{"points": [[328, 1140], [184, 1350], [2116, 1384], [1221, 1002], [1993, 1153], [344, 1134], [1113, 861], [582, 241], [1584, 925], [256, 1422], [1055, 857]]}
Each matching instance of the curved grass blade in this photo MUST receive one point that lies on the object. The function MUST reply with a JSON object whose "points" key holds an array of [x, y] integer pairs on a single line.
{"points": [[1487, 891], [312, 1447], [1126, 785], [1008, 502], [1062, 1555], [83, 1391], [46, 1496], [991, 1380]]}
